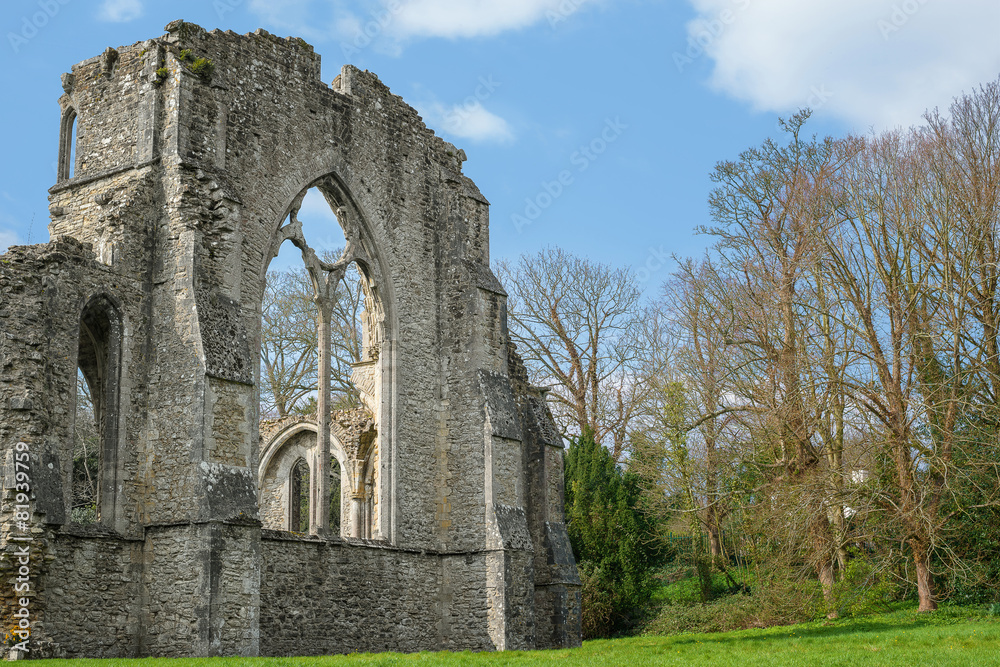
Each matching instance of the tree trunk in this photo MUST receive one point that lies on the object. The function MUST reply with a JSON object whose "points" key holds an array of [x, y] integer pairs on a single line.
{"points": [[714, 540], [822, 540], [825, 571], [925, 583]]}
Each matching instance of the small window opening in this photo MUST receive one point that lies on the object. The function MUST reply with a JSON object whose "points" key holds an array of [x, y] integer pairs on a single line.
{"points": [[67, 145], [298, 497]]}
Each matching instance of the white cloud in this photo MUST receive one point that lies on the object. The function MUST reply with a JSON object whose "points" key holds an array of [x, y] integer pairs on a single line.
{"points": [[470, 120], [387, 24], [474, 18], [120, 11], [873, 63]]}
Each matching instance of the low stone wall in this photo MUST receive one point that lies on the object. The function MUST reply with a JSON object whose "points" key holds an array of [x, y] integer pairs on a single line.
{"points": [[320, 597], [93, 596]]}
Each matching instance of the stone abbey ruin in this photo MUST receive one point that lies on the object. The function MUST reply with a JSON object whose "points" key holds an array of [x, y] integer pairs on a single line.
{"points": [[183, 162]]}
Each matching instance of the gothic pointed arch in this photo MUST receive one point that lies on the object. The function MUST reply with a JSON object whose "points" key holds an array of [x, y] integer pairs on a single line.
{"points": [[99, 362], [372, 373]]}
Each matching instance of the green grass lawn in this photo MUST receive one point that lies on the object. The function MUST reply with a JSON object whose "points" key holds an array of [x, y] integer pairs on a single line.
{"points": [[683, 584], [951, 636]]}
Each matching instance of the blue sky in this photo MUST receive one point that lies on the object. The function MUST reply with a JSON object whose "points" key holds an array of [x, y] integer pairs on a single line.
{"points": [[589, 124]]}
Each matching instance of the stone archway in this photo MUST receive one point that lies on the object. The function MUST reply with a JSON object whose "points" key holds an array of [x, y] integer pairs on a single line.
{"points": [[370, 374], [353, 449]]}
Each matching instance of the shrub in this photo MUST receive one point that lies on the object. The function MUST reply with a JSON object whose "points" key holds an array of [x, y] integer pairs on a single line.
{"points": [[776, 599], [615, 543], [863, 589], [203, 67]]}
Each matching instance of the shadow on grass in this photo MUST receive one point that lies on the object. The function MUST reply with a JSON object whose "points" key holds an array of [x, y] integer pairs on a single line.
{"points": [[836, 629]]}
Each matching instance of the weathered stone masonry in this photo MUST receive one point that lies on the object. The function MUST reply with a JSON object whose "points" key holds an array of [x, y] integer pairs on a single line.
{"points": [[169, 208]]}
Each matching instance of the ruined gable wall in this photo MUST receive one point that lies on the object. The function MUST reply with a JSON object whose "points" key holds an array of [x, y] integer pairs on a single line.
{"points": [[193, 176], [423, 220]]}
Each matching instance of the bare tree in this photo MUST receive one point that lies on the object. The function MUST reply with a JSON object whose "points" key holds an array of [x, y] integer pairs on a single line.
{"points": [[289, 341], [772, 208], [873, 258], [769, 225], [575, 323], [686, 397], [964, 221], [843, 344]]}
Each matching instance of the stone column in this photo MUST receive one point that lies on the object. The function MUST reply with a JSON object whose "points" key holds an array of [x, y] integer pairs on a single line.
{"points": [[319, 481], [325, 278], [358, 499]]}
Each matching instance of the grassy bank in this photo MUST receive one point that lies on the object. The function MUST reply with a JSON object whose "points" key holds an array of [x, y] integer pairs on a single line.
{"points": [[954, 636]]}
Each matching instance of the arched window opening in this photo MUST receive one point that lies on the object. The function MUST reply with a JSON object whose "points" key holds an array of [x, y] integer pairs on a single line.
{"points": [[67, 144], [321, 335], [298, 497], [289, 338], [284, 473], [95, 434]]}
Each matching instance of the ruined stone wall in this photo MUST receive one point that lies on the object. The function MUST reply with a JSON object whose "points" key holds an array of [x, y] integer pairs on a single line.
{"points": [[237, 148], [107, 129], [94, 597], [182, 182], [217, 567], [339, 596], [46, 288], [557, 597]]}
